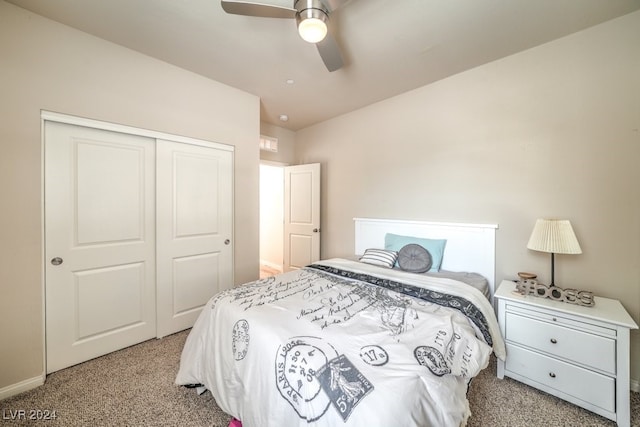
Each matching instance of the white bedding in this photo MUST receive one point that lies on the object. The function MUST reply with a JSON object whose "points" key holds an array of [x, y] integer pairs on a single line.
{"points": [[343, 343]]}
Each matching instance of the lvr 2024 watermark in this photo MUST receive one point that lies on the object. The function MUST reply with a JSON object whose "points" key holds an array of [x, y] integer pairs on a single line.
{"points": [[29, 414]]}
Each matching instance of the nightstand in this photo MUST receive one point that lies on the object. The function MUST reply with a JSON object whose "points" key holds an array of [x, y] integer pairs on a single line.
{"points": [[579, 354]]}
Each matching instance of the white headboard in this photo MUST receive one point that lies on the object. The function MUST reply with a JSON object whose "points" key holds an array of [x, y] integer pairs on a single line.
{"points": [[470, 247]]}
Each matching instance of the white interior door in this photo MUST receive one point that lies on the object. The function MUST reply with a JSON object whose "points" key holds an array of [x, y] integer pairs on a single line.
{"points": [[195, 225], [99, 242], [301, 215]]}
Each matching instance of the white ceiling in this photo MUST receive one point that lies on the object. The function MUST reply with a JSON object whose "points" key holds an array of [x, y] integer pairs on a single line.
{"points": [[389, 46]]}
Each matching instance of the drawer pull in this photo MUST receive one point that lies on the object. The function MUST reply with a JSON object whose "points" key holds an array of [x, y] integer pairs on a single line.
{"points": [[554, 341], [552, 375]]}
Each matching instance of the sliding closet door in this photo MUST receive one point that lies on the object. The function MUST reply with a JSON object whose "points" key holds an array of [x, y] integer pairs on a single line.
{"points": [[99, 242], [194, 230]]}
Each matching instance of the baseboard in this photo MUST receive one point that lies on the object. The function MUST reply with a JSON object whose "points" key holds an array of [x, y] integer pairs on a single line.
{"points": [[271, 265], [635, 386], [20, 387]]}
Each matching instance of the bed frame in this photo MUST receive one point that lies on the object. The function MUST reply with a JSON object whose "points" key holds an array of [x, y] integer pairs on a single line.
{"points": [[470, 247]]}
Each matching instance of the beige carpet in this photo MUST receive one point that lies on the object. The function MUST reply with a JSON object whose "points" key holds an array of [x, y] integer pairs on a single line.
{"points": [[134, 387]]}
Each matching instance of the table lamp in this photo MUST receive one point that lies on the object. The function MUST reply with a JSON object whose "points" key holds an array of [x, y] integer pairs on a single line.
{"points": [[554, 236]]}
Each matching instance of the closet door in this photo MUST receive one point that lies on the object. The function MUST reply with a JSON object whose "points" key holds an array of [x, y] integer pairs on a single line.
{"points": [[99, 242], [194, 230]]}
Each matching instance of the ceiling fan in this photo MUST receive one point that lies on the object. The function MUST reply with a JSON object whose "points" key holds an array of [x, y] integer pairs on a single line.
{"points": [[311, 16]]}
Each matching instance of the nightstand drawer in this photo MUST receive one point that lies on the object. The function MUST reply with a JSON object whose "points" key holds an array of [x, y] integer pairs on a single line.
{"points": [[588, 386], [585, 348]]}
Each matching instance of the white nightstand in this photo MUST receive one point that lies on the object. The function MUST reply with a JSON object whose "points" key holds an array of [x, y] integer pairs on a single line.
{"points": [[579, 354]]}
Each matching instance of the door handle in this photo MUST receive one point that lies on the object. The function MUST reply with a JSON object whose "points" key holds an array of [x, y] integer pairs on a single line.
{"points": [[316, 230], [56, 261], [227, 241]]}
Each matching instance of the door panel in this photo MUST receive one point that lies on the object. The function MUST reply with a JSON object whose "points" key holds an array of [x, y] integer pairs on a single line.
{"points": [[301, 196], [301, 215], [195, 224], [109, 299], [301, 248], [195, 275], [99, 221], [195, 180], [107, 196]]}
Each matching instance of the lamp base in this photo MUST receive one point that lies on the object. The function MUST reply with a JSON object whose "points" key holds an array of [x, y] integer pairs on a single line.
{"points": [[571, 296]]}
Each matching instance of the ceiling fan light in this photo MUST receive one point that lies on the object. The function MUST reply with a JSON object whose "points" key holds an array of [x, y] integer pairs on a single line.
{"points": [[312, 30], [312, 25]]}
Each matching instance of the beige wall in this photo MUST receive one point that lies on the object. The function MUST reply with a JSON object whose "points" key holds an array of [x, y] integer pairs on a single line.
{"points": [[550, 132], [45, 65], [286, 144]]}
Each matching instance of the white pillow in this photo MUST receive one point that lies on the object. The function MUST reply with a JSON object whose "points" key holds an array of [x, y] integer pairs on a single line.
{"points": [[381, 257]]}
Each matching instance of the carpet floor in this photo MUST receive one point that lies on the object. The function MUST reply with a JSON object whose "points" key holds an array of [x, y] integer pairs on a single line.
{"points": [[135, 387]]}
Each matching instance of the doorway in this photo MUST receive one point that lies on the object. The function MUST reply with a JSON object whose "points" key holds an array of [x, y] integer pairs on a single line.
{"points": [[271, 219], [289, 217]]}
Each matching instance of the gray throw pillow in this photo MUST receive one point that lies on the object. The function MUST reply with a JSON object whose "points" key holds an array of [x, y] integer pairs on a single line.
{"points": [[414, 258]]}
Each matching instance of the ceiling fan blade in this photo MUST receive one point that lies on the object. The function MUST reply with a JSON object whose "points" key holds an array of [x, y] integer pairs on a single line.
{"points": [[334, 4], [257, 9], [330, 53]]}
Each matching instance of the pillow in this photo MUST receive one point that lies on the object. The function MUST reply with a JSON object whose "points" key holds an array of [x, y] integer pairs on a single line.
{"points": [[395, 242], [414, 258], [380, 257]]}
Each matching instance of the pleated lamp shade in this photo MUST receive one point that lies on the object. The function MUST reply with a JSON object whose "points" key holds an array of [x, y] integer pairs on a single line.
{"points": [[555, 236]]}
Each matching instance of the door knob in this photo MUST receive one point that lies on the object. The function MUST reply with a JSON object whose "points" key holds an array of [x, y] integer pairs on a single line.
{"points": [[316, 230], [227, 241], [56, 261]]}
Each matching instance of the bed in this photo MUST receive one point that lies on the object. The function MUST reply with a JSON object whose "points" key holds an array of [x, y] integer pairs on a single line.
{"points": [[352, 342]]}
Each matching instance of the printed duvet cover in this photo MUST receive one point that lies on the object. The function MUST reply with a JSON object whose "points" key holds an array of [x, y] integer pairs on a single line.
{"points": [[342, 343]]}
